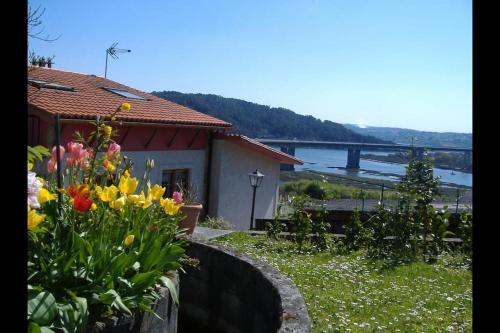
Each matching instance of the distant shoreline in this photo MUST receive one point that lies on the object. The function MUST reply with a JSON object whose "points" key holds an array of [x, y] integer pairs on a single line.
{"points": [[436, 166]]}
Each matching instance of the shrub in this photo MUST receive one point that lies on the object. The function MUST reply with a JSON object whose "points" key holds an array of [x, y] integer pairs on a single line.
{"points": [[356, 234], [216, 223], [315, 191], [300, 220], [321, 239]]}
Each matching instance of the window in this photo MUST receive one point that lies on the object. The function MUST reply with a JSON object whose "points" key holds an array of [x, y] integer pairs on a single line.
{"points": [[174, 180], [123, 93], [49, 85]]}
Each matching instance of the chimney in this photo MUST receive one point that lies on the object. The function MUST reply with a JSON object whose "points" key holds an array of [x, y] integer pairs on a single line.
{"points": [[49, 63]]}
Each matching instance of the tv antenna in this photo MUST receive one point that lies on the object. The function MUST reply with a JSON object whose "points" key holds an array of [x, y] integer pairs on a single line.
{"points": [[113, 51]]}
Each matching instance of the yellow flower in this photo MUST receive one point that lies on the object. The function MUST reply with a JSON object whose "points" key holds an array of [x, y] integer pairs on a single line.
{"points": [[128, 185], [109, 166], [119, 203], [156, 192], [34, 219], [125, 106], [145, 201], [169, 206], [133, 198], [113, 118], [107, 194], [93, 207], [126, 173], [30, 166], [108, 130], [44, 196], [128, 240]]}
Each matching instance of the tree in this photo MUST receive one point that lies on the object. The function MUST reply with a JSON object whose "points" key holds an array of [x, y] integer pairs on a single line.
{"points": [[35, 30]]}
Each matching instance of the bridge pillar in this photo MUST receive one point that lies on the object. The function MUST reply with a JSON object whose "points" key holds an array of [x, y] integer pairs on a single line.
{"points": [[289, 151], [353, 158], [417, 153], [468, 160]]}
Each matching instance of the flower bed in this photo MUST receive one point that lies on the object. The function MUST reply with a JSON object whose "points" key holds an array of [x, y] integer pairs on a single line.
{"points": [[102, 242]]}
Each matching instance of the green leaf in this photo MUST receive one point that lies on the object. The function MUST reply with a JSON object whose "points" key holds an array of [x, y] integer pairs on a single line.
{"points": [[46, 330], [34, 327], [42, 308], [167, 282], [112, 297], [142, 281]]}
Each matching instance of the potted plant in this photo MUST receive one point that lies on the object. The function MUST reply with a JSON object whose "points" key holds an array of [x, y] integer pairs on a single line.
{"points": [[190, 208]]}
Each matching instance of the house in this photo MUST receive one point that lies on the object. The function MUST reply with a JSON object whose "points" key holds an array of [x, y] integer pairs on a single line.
{"points": [[187, 146]]}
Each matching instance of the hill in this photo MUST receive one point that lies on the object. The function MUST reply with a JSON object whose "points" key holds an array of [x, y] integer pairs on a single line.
{"points": [[261, 121], [403, 136]]}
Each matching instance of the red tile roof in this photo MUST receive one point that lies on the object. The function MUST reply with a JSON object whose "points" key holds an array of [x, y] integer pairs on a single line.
{"points": [[90, 99], [248, 143]]}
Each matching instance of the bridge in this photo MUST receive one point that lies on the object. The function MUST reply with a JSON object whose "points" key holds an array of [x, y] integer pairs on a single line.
{"points": [[354, 149]]}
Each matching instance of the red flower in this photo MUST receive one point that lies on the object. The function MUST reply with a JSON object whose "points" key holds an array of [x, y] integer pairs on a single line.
{"points": [[81, 204], [78, 190]]}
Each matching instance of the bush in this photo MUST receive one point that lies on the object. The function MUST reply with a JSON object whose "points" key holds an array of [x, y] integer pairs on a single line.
{"points": [[356, 234], [321, 239], [300, 220], [216, 223], [315, 191]]}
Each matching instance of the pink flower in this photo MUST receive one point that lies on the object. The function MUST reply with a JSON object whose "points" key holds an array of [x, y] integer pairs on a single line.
{"points": [[61, 153], [52, 165], [113, 150], [77, 155], [75, 149], [177, 196]]}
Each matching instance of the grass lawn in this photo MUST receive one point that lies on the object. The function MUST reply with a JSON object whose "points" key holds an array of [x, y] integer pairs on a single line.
{"points": [[348, 293]]}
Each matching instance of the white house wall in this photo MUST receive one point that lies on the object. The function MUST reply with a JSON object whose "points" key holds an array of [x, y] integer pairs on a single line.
{"points": [[194, 160], [230, 190]]}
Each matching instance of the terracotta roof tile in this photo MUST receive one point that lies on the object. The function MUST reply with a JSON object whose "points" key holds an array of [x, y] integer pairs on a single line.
{"points": [[90, 99]]}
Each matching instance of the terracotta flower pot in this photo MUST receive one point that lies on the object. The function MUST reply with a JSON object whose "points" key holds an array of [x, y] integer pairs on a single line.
{"points": [[191, 214]]}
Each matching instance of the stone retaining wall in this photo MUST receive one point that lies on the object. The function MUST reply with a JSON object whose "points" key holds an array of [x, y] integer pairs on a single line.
{"points": [[231, 292]]}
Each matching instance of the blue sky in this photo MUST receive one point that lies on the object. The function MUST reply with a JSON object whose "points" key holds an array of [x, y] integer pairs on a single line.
{"points": [[394, 63]]}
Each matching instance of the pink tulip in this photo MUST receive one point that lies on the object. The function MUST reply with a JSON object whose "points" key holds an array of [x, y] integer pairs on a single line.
{"points": [[113, 150], [177, 196], [61, 153], [52, 165], [75, 149]]}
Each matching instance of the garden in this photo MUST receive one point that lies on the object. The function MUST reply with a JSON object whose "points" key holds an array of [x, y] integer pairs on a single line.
{"points": [[393, 272], [101, 242]]}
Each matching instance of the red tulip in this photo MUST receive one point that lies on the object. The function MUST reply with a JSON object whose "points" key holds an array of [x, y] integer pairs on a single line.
{"points": [[81, 204]]}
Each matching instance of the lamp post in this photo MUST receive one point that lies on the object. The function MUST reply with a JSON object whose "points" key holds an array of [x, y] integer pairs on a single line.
{"points": [[255, 181], [113, 51]]}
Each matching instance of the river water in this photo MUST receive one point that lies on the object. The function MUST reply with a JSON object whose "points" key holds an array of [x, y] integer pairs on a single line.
{"points": [[334, 161]]}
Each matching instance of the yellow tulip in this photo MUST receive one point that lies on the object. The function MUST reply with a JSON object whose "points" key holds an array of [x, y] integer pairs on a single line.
{"points": [[119, 203], [169, 206], [107, 194], [44, 196], [156, 192], [128, 240], [30, 166], [125, 106], [108, 130], [93, 207], [109, 166], [34, 219], [126, 173], [133, 198], [128, 185], [145, 201]]}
